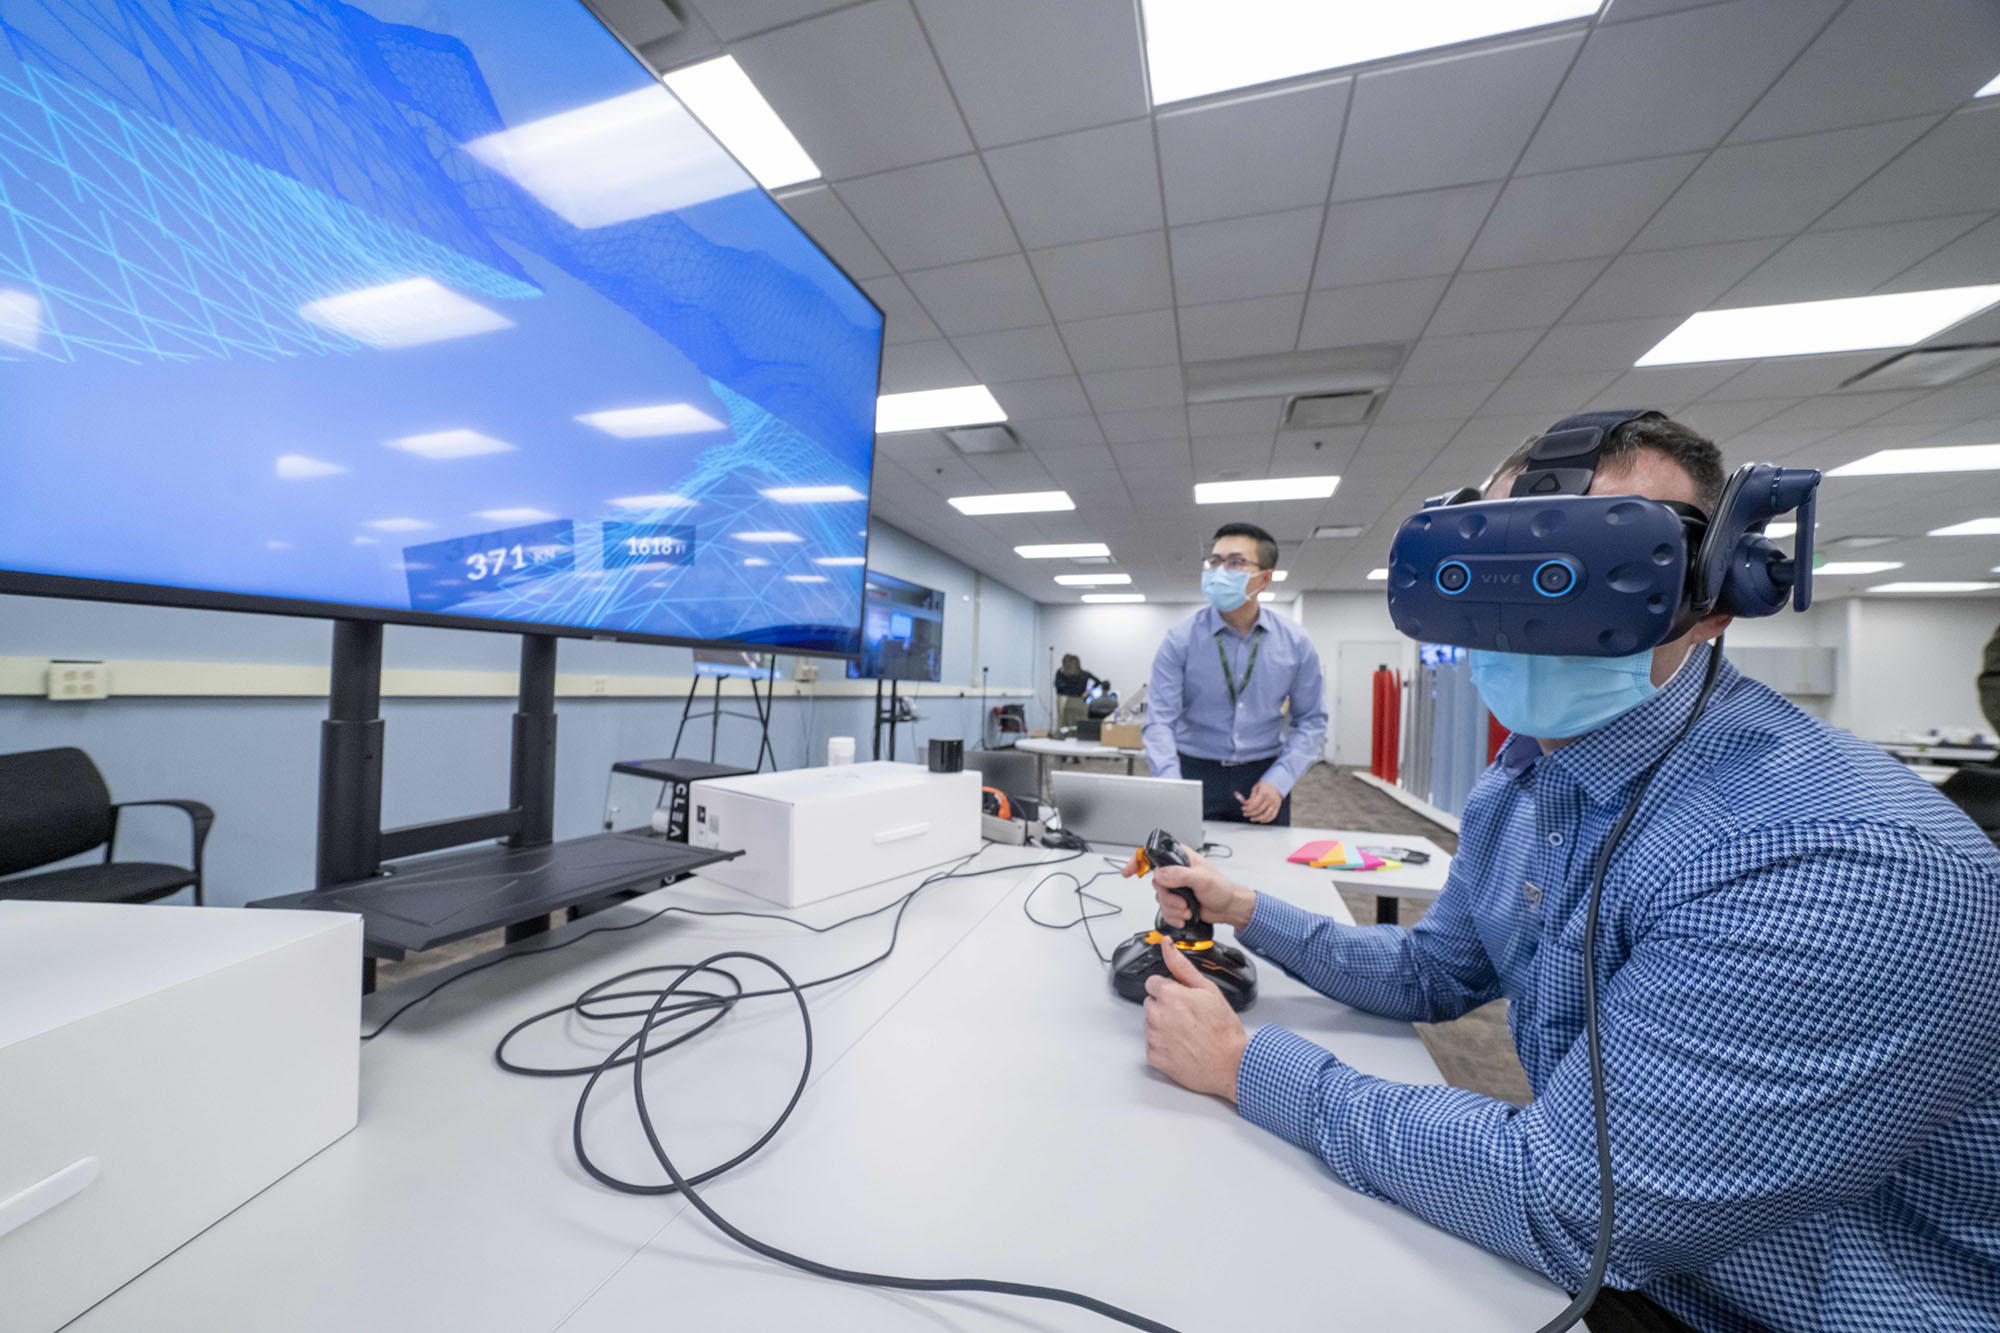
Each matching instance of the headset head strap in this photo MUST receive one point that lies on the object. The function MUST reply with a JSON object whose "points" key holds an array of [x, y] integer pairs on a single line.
{"points": [[1563, 461]]}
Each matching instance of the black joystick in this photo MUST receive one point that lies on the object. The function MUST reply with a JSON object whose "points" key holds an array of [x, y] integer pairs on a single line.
{"points": [[1140, 957]]}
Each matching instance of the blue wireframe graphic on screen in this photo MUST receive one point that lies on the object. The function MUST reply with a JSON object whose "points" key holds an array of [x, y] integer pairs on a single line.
{"points": [[441, 307]]}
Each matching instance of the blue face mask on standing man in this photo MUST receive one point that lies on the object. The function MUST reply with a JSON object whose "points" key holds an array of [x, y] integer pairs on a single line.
{"points": [[1225, 589]]}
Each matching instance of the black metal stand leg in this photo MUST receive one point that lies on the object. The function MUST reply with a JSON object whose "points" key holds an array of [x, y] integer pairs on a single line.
{"points": [[876, 751], [532, 785], [350, 758], [715, 722], [522, 930], [1387, 910], [687, 707]]}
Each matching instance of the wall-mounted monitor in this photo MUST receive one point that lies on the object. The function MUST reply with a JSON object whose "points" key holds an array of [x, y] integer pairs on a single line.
{"points": [[902, 631], [730, 662], [443, 313]]}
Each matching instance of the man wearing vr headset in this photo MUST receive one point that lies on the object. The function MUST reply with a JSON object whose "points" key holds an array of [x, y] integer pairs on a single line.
{"points": [[1796, 975]]}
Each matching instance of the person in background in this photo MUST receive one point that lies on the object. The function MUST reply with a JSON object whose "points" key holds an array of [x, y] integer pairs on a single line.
{"points": [[1223, 682], [1989, 683], [1072, 683]]}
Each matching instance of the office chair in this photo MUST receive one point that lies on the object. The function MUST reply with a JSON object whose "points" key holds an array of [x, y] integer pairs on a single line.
{"points": [[1975, 789], [53, 805]]}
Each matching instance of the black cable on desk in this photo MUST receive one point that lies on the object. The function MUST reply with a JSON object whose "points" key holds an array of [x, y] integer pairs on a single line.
{"points": [[1084, 916]]}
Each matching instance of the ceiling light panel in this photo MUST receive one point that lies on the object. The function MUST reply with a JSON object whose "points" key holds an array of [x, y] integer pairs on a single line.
{"points": [[1019, 502], [724, 99], [1933, 587], [1378, 575], [1121, 596], [1816, 328], [1093, 580], [812, 495], [1990, 90], [1194, 48], [1943, 458], [409, 313], [1841, 568], [445, 444], [1259, 489], [937, 409], [1972, 527], [1064, 551], [641, 423]]}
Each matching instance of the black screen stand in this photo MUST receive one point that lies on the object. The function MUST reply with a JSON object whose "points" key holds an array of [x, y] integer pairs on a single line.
{"points": [[887, 716], [765, 703], [516, 884]]}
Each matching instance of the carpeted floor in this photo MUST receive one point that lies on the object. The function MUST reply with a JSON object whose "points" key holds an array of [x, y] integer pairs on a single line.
{"points": [[1474, 1052]]}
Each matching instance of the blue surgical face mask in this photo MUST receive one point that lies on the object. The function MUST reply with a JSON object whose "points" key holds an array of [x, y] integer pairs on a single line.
{"points": [[1225, 588], [1555, 698]]}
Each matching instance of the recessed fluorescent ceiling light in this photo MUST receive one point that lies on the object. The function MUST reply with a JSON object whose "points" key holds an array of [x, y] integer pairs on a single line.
{"points": [[721, 95], [811, 495], [20, 320], [1092, 580], [1020, 502], [1972, 527], [398, 525], [451, 444], [1777, 531], [1814, 328], [1063, 551], [631, 156], [404, 314], [520, 515], [1377, 575], [1114, 597], [1841, 567], [767, 536], [664, 500], [1194, 47], [298, 467], [1280, 575], [1933, 587], [1990, 90], [1267, 596], [935, 409], [1339, 530], [641, 423], [1266, 488], [805, 578], [1939, 458], [841, 560]]}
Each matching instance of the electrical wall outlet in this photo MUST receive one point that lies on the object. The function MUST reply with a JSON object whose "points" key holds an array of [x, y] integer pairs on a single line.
{"points": [[600, 684], [73, 680], [806, 671]]}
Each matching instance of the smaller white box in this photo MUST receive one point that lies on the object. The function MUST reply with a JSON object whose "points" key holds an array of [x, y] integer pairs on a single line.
{"points": [[158, 1067], [816, 832]]}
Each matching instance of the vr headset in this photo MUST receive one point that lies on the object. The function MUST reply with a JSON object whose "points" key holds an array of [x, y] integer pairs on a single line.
{"points": [[1557, 571]]}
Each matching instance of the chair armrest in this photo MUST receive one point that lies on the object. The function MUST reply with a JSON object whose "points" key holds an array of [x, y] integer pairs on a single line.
{"points": [[201, 816]]}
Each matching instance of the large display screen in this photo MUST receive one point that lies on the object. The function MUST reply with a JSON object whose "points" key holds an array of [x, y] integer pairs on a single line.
{"points": [[441, 311], [902, 631]]}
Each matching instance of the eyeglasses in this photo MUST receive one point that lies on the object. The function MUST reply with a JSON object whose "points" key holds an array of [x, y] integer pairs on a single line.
{"points": [[1234, 563]]}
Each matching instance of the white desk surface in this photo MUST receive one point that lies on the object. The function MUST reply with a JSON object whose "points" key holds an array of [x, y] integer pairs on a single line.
{"points": [[980, 1106], [1069, 746], [1259, 853]]}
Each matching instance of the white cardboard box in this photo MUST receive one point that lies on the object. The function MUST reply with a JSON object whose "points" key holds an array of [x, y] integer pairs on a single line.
{"points": [[815, 832], [158, 1067]]}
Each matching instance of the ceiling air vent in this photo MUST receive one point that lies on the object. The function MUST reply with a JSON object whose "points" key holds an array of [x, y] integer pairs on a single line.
{"points": [[1339, 530], [1316, 411], [1927, 367], [983, 439]]}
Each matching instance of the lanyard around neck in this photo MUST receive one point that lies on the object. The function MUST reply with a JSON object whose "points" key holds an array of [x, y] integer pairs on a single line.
{"points": [[1249, 668]]}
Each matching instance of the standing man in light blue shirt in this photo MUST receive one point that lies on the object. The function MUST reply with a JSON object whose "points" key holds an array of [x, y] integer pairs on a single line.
{"points": [[1216, 710]]}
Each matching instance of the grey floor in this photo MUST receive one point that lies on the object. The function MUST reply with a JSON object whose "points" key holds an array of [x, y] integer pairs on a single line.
{"points": [[1473, 1052]]}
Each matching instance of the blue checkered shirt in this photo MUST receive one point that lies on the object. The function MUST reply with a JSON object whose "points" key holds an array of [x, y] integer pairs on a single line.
{"points": [[1798, 971]]}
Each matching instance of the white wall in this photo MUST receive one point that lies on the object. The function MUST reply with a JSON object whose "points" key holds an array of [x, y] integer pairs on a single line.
{"points": [[1115, 641], [1910, 664]]}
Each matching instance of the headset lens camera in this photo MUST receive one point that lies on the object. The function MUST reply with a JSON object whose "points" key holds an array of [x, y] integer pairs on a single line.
{"points": [[1555, 578], [1453, 577]]}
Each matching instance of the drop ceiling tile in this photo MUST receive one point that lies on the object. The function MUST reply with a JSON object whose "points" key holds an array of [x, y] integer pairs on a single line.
{"points": [[1382, 312], [937, 213], [1725, 421], [1531, 296], [1158, 423], [1031, 68], [1240, 328], [1082, 186], [731, 19], [1669, 282], [1839, 411], [1132, 390], [1879, 60], [1408, 236], [1793, 376], [1121, 275], [1255, 153], [1243, 416], [1059, 432], [1664, 388], [1972, 260], [858, 88], [819, 211], [1446, 122], [1058, 396], [1014, 354], [1610, 346], [1434, 402], [1620, 103], [931, 364], [1123, 342], [1776, 188], [904, 320], [1461, 358], [1019, 471], [1245, 257], [1949, 170], [980, 296], [1553, 396], [1576, 214], [1623, 11], [1079, 462], [1850, 261], [1962, 402]]}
